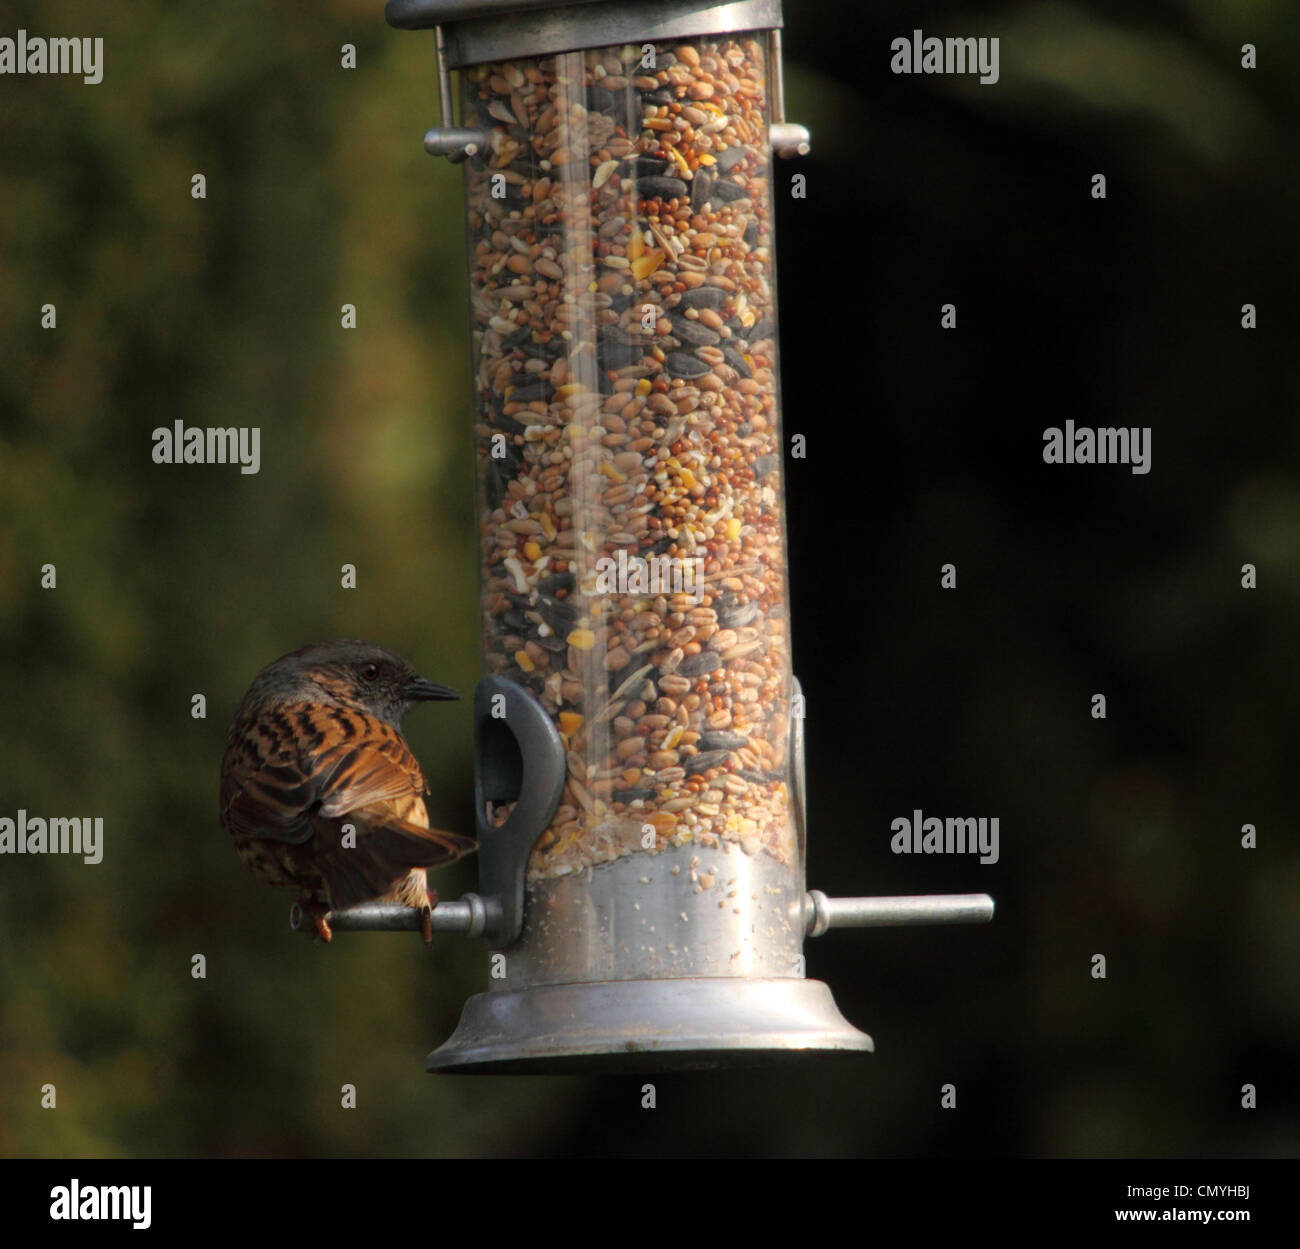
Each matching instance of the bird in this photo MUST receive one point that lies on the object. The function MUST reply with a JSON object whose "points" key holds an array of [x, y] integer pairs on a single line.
{"points": [[320, 790]]}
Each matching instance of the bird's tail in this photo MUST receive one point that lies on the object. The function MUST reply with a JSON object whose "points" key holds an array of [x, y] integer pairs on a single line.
{"points": [[383, 853]]}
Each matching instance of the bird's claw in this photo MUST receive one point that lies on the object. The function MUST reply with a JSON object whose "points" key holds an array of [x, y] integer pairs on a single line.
{"points": [[316, 913], [426, 917]]}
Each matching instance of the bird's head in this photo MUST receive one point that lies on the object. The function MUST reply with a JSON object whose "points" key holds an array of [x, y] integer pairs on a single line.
{"points": [[349, 673]]}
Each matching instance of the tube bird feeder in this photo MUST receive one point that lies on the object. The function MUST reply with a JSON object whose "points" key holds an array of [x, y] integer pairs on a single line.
{"points": [[639, 780]]}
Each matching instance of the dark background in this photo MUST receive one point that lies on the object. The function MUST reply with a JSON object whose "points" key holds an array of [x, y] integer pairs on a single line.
{"points": [[1119, 837]]}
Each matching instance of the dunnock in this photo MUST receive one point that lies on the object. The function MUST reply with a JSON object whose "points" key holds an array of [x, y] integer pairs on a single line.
{"points": [[319, 788]]}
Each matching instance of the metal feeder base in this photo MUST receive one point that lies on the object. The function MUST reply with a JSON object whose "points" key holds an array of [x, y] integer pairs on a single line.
{"points": [[646, 1025]]}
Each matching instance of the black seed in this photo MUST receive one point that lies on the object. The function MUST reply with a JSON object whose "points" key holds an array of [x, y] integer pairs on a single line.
{"points": [[660, 188], [683, 364], [726, 160], [751, 235], [737, 361], [698, 665], [760, 330], [507, 424], [722, 741], [631, 795], [526, 392], [560, 615], [727, 192], [695, 335], [703, 297], [707, 759], [738, 617], [649, 167], [701, 186], [619, 355], [556, 581], [766, 464], [494, 487]]}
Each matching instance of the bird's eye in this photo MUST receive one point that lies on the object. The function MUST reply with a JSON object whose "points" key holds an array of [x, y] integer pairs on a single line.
{"points": [[370, 672]]}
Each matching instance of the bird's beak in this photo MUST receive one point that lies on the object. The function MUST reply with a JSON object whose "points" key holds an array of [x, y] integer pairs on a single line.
{"points": [[419, 690]]}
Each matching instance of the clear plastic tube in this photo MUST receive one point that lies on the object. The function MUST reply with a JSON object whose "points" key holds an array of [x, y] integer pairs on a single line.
{"points": [[628, 440]]}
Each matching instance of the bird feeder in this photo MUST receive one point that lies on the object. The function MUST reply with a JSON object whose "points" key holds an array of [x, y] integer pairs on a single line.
{"points": [[639, 776]]}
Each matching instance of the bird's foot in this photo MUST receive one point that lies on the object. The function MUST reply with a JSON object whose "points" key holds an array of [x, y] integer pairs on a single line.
{"points": [[426, 917], [316, 912]]}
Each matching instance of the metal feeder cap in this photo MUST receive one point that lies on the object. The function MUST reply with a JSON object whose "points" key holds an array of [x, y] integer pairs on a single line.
{"points": [[479, 31]]}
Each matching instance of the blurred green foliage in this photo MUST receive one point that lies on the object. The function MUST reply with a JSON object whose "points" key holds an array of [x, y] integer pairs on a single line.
{"points": [[181, 580]]}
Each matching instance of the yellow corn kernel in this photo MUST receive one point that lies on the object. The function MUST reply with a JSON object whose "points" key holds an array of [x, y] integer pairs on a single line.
{"points": [[644, 266]]}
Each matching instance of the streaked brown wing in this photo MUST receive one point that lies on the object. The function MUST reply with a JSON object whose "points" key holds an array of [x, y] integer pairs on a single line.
{"points": [[374, 770], [297, 761]]}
